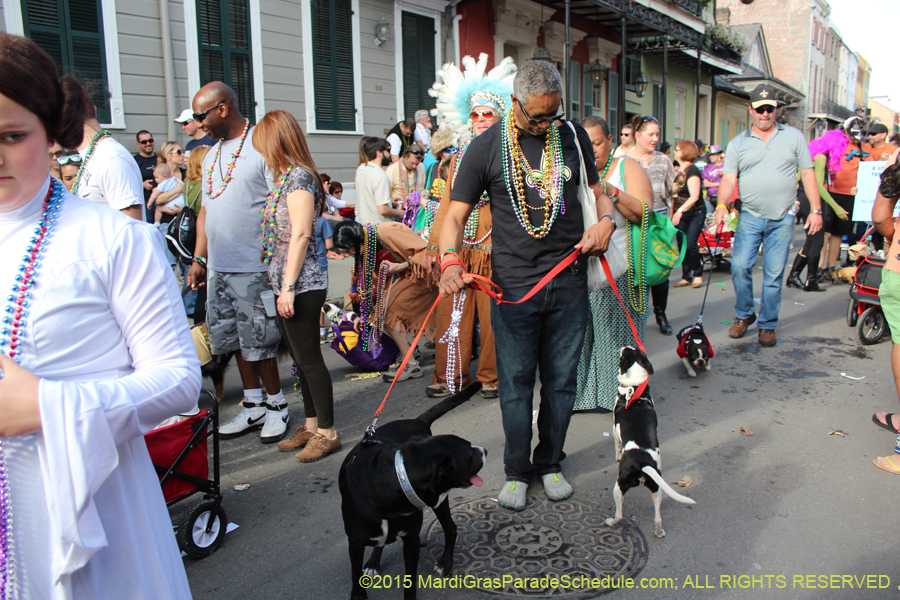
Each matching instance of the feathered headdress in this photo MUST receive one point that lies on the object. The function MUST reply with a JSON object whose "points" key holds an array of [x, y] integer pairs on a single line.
{"points": [[461, 91]]}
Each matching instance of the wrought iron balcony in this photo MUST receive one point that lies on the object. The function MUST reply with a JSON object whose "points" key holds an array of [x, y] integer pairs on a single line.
{"points": [[691, 6], [834, 109]]}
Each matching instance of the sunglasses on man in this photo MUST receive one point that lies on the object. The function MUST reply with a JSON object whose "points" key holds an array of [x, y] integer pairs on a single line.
{"points": [[200, 116], [147, 141], [541, 120], [75, 159], [765, 108]]}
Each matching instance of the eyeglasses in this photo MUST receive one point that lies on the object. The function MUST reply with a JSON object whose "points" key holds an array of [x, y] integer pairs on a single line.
{"points": [[451, 150], [200, 116], [179, 152], [765, 108], [75, 159], [488, 115], [539, 120], [147, 141]]}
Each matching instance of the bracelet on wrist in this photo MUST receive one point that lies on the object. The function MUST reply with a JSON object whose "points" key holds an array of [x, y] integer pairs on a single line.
{"points": [[718, 206]]}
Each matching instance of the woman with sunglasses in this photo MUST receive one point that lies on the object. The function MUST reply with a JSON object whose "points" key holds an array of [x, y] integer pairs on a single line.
{"points": [[92, 357], [662, 176]]}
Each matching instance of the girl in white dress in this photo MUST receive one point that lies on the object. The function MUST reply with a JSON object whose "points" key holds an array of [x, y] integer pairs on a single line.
{"points": [[94, 352]]}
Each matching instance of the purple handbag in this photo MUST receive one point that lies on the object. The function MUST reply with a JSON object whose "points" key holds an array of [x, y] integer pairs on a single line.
{"points": [[377, 358]]}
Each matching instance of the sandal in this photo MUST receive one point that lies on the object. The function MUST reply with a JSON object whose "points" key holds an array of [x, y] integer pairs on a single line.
{"points": [[437, 390], [888, 422], [682, 283], [896, 470]]}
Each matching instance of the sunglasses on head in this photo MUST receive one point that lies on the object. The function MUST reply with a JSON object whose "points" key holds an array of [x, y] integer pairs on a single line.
{"points": [[488, 115], [561, 115], [179, 151], [147, 141], [75, 159], [418, 153], [200, 116], [765, 108]]}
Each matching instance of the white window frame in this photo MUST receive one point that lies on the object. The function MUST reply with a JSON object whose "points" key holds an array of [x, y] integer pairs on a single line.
{"points": [[192, 43], [15, 24], [426, 9], [309, 73]]}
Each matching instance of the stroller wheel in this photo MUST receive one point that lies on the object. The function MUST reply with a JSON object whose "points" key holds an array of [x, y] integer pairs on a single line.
{"points": [[872, 325], [193, 537], [852, 315]]}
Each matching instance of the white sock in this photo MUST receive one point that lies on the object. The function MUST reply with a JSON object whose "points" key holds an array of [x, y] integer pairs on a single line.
{"points": [[254, 396], [277, 399]]}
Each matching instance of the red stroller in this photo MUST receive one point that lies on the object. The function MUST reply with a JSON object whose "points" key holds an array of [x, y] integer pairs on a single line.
{"points": [[865, 306], [181, 447]]}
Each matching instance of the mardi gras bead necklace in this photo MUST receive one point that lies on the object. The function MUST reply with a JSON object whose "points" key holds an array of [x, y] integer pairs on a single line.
{"points": [[11, 343], [370, 286], [471, 228], [453, 374], [267, 217], [90, 152], [227, 179], [404, 181], [637, 273], [548, 182]]}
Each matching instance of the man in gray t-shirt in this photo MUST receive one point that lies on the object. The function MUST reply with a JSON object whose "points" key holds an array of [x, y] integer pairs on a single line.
{"points": [[764, 161], [235, 184]]}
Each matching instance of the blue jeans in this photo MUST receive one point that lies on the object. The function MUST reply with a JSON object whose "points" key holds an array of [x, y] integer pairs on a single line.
{"points": [[547, 331], [775, 237]]}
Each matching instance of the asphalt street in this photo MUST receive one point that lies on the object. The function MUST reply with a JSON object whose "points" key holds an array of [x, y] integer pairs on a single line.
{"points": [[788, 502]]}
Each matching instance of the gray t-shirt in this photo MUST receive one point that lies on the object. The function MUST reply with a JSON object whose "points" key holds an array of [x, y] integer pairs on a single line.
{"points": [[767, 171], [233, 218]]}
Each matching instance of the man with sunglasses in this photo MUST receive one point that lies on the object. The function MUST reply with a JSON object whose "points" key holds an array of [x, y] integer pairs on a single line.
{"points": [[765, 159], [146, 162], [192, 129], [529, 166], [407, 175], [626, 142]]}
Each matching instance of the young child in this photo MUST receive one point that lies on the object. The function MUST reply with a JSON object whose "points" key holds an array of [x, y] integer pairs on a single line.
{"points": [[165, 182]]}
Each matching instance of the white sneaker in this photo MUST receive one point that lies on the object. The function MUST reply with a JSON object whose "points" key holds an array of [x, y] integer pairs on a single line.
{"points": [[277, 420], [250, 418]]}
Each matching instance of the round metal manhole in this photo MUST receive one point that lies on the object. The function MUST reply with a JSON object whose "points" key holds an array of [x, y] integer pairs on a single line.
{"points": [[549, 550]]}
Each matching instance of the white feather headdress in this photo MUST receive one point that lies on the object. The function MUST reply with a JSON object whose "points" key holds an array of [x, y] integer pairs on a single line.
{"points": [[458, 90]]}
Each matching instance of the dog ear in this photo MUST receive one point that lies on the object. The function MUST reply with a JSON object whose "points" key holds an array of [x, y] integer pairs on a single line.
{"points": [[443, 471], [644, 362]]}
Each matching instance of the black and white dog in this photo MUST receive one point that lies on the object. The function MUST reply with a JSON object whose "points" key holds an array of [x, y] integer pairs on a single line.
{"points": [[386, 485], [694, 349], [637, 447]]}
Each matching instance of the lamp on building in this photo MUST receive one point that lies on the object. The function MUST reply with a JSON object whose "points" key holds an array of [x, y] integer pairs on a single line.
{"points": [[382, 31], [598, 72], [640, 85], [541, 53]]}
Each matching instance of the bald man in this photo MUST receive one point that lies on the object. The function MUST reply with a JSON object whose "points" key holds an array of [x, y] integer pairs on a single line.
{"points": [[229, 242]]}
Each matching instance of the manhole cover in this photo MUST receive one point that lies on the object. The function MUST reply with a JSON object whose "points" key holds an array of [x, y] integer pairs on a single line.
{"points": [[549, 550]]}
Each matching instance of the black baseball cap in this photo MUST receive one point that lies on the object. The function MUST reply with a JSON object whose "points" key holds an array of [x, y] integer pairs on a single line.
{"points": [[877, 128], [763, 95]]}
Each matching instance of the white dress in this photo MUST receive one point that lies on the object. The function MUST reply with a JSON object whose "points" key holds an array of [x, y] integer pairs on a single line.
{"points": [[107, 334]]}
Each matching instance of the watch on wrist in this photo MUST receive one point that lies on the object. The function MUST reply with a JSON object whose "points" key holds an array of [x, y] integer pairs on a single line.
{"points": [[287, 287], [615, 195], [611, 220], [818, 211]]}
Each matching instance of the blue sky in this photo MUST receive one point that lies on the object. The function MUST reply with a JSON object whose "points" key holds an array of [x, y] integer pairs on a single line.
{"points": [[873, 33]]}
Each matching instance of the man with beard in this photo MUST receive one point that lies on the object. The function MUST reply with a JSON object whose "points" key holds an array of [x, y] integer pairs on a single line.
{"points": [[537, 223], [373, 188], [235, 187], [765, 160]]}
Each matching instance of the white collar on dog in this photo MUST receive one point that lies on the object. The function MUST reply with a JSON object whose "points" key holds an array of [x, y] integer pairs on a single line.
{"points": [[404, 482]]}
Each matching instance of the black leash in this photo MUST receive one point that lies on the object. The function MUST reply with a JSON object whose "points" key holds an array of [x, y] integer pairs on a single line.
{"points": [[712, 265]]}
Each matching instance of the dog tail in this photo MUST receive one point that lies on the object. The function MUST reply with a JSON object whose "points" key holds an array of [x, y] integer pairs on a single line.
{"points": [[655, 476], [439, 410]]}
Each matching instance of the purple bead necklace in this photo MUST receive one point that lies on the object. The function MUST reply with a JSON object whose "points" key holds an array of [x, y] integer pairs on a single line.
{"points": [[12, 324]]}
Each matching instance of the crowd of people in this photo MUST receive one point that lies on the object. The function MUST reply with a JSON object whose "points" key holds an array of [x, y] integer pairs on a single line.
{"points": [[490, 189]]}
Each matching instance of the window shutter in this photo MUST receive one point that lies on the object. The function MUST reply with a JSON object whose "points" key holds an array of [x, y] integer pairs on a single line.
{"points": [[613, 104], [418, 62], [71, 32], [333, 65], [587, 91], [224, 31]]}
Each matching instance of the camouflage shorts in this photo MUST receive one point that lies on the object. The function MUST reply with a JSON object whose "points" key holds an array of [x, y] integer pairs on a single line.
{"points": [[236, 318]]}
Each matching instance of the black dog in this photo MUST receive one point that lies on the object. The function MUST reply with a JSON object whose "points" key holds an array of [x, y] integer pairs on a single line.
{"points": [[386, 485], [634, 426]]}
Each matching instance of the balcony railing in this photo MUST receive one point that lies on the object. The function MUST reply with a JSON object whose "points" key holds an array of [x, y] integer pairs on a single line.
{"points": [[835, 109], [691, 6]]}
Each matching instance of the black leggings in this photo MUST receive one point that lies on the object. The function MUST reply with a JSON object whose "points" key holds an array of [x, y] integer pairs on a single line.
{"points": [[691, 224], [301, 334], [812, 248]]}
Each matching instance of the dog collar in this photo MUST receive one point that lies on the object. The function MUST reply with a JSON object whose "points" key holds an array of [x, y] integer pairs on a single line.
{"points": [[404, 482], [636, 393]]}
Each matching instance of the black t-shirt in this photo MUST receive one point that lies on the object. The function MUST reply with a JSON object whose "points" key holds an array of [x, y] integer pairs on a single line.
{"points": [[204, 141], [519, 260], [684, 193], [146, 164]]}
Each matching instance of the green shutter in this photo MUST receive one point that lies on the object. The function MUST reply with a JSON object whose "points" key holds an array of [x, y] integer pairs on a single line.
{"points": [[724, 134], [418, 62], [71, 31], [224, 31], [332, 39], [612, 117], [587, 91]]}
